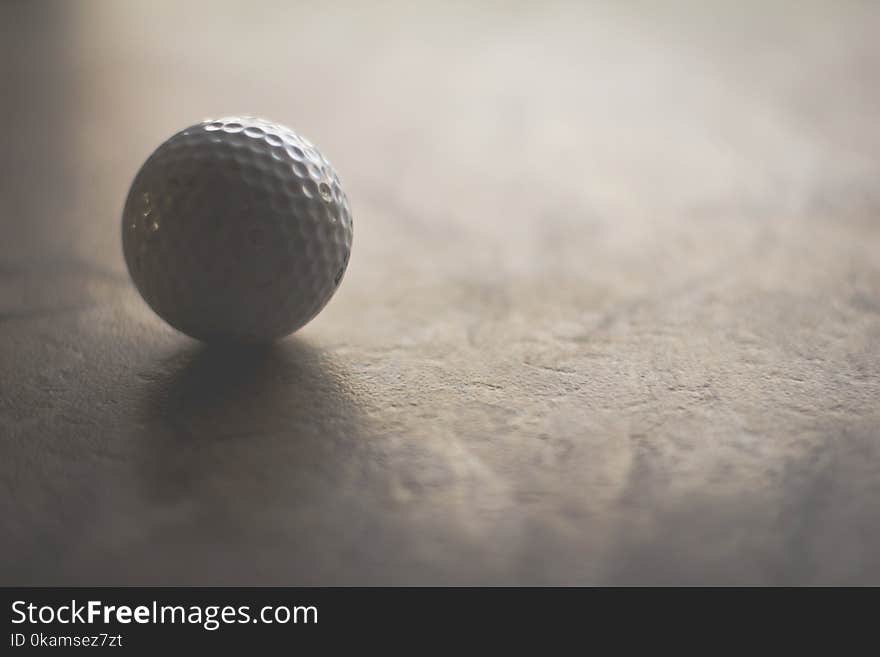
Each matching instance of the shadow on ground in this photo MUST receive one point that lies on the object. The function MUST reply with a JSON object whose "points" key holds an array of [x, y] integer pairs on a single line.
{"points": [[215, 392], [253, 460]]}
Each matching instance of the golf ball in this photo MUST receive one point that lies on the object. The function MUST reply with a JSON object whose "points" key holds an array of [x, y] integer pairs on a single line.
{"points": [[236, 229]]}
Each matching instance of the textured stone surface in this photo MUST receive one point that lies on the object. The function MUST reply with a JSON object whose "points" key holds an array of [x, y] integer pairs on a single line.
{"points": [[612, 313]]}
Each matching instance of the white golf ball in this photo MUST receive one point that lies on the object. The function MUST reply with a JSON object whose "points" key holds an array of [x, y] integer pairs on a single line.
{"points": [[236, 229]]}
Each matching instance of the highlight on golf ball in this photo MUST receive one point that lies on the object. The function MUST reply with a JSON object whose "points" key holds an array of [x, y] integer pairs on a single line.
{"points": [[236, 230]]}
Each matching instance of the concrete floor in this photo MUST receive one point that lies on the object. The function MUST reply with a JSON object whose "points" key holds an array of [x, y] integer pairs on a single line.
{"points": [[612, 314]]}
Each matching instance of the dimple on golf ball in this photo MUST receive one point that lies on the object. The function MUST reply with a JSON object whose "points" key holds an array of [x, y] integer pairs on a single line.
{"points": [[236, 230]]}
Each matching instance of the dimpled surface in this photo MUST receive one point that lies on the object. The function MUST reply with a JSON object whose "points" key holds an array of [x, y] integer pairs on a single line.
{"points": [[236, 229]]}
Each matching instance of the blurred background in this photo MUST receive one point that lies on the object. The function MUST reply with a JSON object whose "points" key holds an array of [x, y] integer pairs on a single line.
{"points": [[612, 314]]}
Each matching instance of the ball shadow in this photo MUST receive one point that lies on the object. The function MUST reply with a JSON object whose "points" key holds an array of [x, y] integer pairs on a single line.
{"points": [[245, 451], [209, 393]]}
